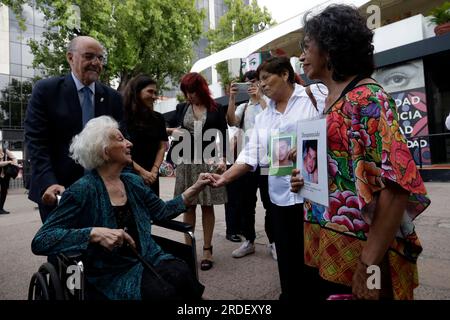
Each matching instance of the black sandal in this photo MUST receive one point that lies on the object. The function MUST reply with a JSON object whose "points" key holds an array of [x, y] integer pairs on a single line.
{"points": [[206, 264]]}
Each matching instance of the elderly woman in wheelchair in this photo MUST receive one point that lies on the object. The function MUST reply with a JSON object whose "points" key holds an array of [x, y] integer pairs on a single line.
{"points": [[107, 215]]}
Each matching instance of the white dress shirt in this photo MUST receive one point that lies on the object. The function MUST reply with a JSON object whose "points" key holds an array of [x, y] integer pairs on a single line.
{"points": [[272, 122], [447, 122]]}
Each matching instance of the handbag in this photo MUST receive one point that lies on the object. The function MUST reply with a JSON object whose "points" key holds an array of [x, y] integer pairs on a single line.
{"points": [[11, 171], [179, 123]]}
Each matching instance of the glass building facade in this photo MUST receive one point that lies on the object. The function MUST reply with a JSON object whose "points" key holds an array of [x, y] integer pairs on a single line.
{"points": [[16, 71]]}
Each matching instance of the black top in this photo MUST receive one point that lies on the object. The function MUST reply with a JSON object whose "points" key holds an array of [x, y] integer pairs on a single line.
{"points": [[146, 135], [125, 219]]}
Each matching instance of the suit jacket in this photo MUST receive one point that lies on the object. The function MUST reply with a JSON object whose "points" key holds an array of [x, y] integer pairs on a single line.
{"points": [[53, 117], [214, 120], [85, 205]]}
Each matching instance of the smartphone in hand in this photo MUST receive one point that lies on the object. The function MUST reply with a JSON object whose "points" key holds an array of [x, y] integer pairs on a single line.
{"points": [[241, 86]]}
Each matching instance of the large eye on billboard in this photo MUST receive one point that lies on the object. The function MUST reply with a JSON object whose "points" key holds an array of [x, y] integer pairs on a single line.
{"points": [[251, 62], [406, 84]]}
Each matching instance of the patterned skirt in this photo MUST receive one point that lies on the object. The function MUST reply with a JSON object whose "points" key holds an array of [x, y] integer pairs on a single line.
{"points": [[336, 256], [187, 174]]}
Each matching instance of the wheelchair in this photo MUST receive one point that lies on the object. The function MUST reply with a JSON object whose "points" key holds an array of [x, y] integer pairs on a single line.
{"points": [[54, 281]]}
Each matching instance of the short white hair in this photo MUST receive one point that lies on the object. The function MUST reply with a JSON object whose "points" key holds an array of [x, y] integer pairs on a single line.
{"points": [[87, 147]]}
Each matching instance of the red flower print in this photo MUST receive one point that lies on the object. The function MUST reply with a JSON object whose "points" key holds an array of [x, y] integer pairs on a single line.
{"points": [[336, 133], [360, 96], [372, 126], [368, 179], [344, 210], [343, 220], [405, 168]]}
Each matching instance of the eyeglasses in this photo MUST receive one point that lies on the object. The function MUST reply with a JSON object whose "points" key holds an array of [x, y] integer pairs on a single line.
{"points": [[89, 56], [304, 46]]}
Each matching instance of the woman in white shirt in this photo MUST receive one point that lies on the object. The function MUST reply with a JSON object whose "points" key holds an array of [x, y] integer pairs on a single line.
{"points": [[288, 104]]}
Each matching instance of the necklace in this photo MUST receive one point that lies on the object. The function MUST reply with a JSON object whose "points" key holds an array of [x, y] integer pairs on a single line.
{"points": [[116, 189]]}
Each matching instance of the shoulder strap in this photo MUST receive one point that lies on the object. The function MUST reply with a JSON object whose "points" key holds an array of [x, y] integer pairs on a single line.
{"points": [[351, 85], [241, 123], [311, 97]]}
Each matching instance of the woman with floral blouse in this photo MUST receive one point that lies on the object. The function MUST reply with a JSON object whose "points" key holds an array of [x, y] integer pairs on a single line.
{"points": [[375, 189]]}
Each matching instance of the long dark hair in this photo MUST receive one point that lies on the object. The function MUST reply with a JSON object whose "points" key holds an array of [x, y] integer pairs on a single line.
{"points": [[194, 82], [134, 109], [342, 32]]}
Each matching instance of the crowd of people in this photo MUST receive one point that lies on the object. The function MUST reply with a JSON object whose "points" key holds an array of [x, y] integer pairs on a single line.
{"points": [[101, 150]]}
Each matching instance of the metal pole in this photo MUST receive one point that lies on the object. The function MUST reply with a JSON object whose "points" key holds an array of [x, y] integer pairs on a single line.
{"points": [[420, 154]]}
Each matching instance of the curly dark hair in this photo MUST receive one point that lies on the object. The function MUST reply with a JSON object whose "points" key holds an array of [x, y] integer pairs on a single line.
{"points": [[342, 32]]}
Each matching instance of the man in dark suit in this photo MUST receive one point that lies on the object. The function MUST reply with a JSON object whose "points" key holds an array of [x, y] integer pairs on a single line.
{"points": [[58, 109]]}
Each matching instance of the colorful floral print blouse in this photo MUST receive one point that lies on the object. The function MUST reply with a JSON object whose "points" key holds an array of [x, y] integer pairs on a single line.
{"points": [[365, 147]]}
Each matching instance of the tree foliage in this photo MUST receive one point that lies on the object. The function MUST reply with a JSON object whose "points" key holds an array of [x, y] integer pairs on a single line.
{"points": [[241, 21], [140, 36]]}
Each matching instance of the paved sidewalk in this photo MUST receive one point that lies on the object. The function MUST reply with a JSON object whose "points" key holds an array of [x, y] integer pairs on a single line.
{"points": [[254, 277]]}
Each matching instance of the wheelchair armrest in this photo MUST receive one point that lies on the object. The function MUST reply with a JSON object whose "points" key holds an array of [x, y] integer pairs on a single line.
{"points": [[72, 258], [174, 225]]}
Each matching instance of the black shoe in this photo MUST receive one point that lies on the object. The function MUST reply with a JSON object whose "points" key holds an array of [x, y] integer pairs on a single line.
{"points": [[3, 211], [233, 238]]}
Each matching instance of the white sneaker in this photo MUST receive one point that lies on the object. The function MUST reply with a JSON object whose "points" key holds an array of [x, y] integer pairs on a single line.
{"points": [[246, 248], [272, 250]]}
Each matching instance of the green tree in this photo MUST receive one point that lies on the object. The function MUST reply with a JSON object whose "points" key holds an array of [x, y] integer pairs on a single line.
{"points": [[140, 36], [238, 23]]}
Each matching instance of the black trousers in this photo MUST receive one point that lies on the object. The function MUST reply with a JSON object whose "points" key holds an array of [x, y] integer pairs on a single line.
{"points": [[288, 231], [298, 281], [250, 183], [177, 284], [4, 184], [233, 208]]}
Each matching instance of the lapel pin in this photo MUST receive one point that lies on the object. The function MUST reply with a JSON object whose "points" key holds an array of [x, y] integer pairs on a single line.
{"points": [[101, 99]]}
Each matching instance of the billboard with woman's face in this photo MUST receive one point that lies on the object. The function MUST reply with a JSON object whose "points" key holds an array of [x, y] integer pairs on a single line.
{"points": [[405, 82], [251, 62]]}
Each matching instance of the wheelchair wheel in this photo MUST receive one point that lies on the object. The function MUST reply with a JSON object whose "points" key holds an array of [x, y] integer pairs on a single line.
{"points": [[56, 291], [38, 289], [45, 284]]}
